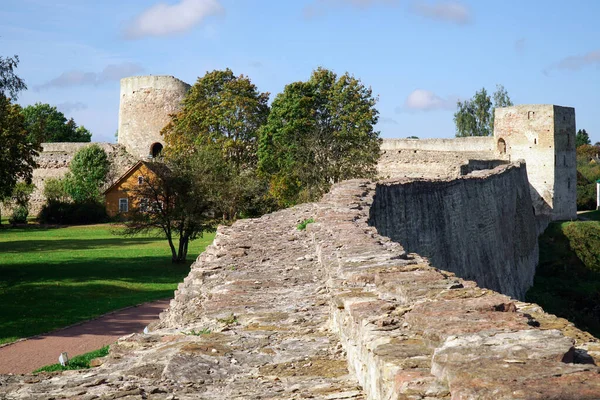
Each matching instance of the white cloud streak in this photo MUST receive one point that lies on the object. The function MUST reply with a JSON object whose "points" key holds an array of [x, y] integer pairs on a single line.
{"points": [[426, 100], [112, 72], [320, 7], [575, 63], [170, 19], [69, 107], [448, 11]]}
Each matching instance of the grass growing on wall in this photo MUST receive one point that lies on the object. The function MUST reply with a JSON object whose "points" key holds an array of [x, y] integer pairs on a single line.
{"points": [[54, 277], [567, 281], [79, 362]]}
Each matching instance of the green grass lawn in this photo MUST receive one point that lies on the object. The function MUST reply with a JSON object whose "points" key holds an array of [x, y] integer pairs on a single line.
{"points": [[567, 281], [54, 277]]}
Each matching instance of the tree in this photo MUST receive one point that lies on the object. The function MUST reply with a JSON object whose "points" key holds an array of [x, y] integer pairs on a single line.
{"points": [[10, 83], [582, 138], [54, 190], [87, 173], [46, 124], [319, 132], [475, 117], [17, 154], [179, 200], [222, 111]]}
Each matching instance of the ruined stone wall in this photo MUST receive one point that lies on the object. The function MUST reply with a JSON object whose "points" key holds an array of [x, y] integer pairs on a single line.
{"points": [[480, 226], [466, 144], [53, 162], [417, 163], [145, 105], [336, 311]]}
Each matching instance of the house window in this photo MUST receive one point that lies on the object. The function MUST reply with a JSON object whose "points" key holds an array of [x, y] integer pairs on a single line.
{"points": [[123, 205], [140, 180]]}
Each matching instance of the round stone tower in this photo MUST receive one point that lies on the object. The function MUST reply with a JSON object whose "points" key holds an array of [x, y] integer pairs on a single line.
{"points": [[146, 102]]}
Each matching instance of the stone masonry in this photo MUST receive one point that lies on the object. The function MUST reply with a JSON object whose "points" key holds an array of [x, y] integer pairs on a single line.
{"points": [[336, 311]]}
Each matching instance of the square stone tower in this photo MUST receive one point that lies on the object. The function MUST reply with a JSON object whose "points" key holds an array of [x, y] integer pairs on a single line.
{"points": [[544, 136]]}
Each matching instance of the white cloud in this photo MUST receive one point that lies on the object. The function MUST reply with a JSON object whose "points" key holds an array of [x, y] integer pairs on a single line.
{"points": [[168, 19], [425, 100], [319, 7], [68, 107], [112, 72], [449, 11], [574, 63]]}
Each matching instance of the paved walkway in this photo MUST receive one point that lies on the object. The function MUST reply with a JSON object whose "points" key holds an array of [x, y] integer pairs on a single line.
{"points": [[27, 355]]}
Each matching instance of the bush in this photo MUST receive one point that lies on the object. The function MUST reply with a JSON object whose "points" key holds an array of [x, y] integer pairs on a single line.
{"points": [[62, 213], [584, 240], [19, 215], [586, 197]]}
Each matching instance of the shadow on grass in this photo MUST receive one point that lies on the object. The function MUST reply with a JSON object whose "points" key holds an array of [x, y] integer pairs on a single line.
{"points": [[33, 309], [20, 246], [564, 285], [129, 269]]}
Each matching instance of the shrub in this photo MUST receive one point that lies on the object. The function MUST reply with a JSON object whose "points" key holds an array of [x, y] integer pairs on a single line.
{"points": [[586, 197], [584, 239], [54, 190], [19, 215], [302, 225], [62, 213]]}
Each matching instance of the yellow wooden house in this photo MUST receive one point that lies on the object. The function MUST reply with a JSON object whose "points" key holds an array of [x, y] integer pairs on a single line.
{"points": [[118, 197]]}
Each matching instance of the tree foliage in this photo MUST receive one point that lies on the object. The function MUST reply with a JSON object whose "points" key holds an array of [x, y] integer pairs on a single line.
{"points": [[475, 117], [221, 116], [87, 173], [181, 201], [54, 190], [45, 124], [318, 133], [10, 83], [582, 138]]}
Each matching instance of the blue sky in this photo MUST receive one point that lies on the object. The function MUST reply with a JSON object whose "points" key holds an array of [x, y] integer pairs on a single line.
{"points": [[418, 56]]}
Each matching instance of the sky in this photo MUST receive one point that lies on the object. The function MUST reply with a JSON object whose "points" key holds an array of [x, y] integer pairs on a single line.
{"points": [[418, 56]]}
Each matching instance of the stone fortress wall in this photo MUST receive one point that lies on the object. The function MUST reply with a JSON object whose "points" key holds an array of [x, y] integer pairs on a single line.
{"points": [[541, 135]]}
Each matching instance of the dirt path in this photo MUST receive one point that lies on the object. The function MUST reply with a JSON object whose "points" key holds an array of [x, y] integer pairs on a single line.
{"points": [[27, 355]]}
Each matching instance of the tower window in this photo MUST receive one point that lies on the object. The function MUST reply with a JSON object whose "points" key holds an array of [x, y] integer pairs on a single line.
{"points": [[534, 141], [140, 180], [530, 114], [156, 150], [501, 146]]}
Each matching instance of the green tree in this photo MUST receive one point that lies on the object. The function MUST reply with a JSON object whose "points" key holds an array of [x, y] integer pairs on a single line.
{"points": [[87, 173], [17, 154], [46, 124], [10, 83], [582, 138], [54, 190], [181, 200], [475, 117], [319, 132], [222, 111]]}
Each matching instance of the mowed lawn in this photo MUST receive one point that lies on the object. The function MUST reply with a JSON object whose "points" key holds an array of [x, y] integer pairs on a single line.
{"points": [[54, 277]]}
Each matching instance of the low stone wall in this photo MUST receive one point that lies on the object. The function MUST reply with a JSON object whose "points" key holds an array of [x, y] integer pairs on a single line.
{"points": [[482, 144], [336, 311], [480, 226], [53, 163]]}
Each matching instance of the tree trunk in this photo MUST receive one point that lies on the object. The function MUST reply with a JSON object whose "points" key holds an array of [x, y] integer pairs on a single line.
{"points": [[183, 240], [173, 251]]}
